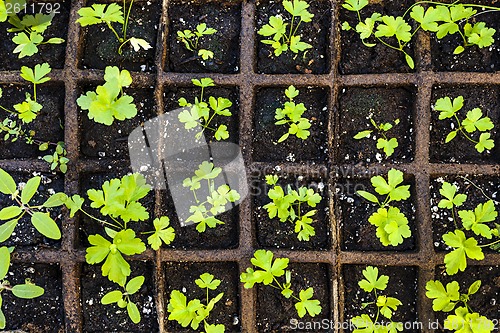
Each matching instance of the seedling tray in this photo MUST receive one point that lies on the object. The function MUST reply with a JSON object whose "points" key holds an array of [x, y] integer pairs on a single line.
{"points": [[343, 80]]}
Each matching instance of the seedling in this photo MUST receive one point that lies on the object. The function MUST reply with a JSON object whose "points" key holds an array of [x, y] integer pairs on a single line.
{"points": [[204, 212], [191, 40], [472, 124], [291, 115], [447, 299], [289, 207], [27, 290], [110, 14], [392, 224], [441, 19], [29, 29], [267, 275], [386, 305], [109, 101], [194, 312], [282, 39], [122, 298], [384, 142], [478, 221]]}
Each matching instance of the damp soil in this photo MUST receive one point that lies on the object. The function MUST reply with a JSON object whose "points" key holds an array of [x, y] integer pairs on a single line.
{"points": [[473, 59], [353, 211], [224, 16], [110, 318], [182, 276], [442, 219], [266, 134], [317, 33], [402, 285], [101, 141], [461, 150], [25, 235], [48, 125], [359, 105], [277, 314], [356, 58], [50, 53], [44, 314], [271, 233], [100, 45]]}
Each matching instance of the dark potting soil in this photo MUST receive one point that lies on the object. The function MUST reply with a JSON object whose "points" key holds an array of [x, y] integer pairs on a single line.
{"points": [[88, 226], [266, 134], [358, 105], [356, 58], [473, 59], [317, 33], [25, 234], [48, 125], [182, 276], [224, 16], [485, 301], [353, 211], [442, 219], [110, 318], [402, 285], [461, 150], [44, 314], [271, 233], [172, 95], [100, 45], [277, 314], [50, 53], [101, 141]]}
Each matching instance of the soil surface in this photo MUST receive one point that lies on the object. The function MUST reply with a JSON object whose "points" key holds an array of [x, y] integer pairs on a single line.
{"points": [[402, 285], [317, 33], [485, 301], [353, 211], [182, 276], [48, 125], [277, 314], [473, 59], [100, 45], [44, 314], [461, 150], [358, 105], [101, 141], [53, 54], [266, 134], [225, 17], [356, 58], [110, 318], [25, 234], [442, 219], [271, 233]]}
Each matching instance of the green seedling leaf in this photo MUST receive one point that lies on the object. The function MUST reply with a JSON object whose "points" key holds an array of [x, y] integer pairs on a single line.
{"points": [[394, 27], [28, 110], [55, 200], [112, 297], [264, 260], [355, 5], [8, 213], [7, 229], [475, 220], [475, 121], [296, 45], [45, 225], [207, 280], [98, 13], [134, 285], [182, 312], [387, 145], [463, 248], [298, 8], [275, 28], [479, 34], [27, 45], [133, 313], [474, 287], [485, 143], [390, 187], [363, 135], [365, 29], [447, 108], [464, 321], [27, 291], [162, 233], [139, 43], [4, 262], [220, 328], [373, 281], [307, 305], [203, 83], [221, 133], [112, 74], [443, 299], [387, 305], [205, 54], [74, 204], [3, 18], [7, 183], [38, 22], [368, 196], [452, 199], [30, 189], [428, 19], [206, 170]]}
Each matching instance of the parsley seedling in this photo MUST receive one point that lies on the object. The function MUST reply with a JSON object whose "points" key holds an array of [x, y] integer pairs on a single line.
{"points": [[291, 115], [122, 298], [109, 101], [474, 122], [109, 14], [289, 207], [386, 306], [194, 312], [267, 275], [191, 40], [199, 113], [385, 143], [29, 29], [464, 319], [282, 39], [392, 224]]}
